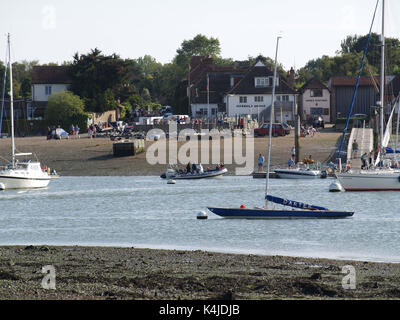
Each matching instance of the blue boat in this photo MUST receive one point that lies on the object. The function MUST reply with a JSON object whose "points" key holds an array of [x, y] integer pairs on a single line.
{"points": [[299, 210], [259, 213]]}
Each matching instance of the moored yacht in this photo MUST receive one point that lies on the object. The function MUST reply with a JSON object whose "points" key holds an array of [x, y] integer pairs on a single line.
{"points": [[25, 174]]}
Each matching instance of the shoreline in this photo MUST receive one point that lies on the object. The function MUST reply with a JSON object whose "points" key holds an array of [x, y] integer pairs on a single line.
{"points": [[100, 273], [210, 250]]}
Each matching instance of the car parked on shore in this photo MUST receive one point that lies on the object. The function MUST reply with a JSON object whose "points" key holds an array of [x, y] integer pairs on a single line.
{"points": [[277, 130], [59, 134]]}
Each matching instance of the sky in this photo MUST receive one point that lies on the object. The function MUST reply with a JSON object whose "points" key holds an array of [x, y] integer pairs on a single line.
{"points": [[54, 30]]}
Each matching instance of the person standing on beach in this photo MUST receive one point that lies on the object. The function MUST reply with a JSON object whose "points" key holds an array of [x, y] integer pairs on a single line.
{"points": [[261, 161], [293, 152]]}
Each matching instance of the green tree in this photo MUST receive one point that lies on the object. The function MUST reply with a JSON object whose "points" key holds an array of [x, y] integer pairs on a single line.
{"points": [[64, 109], [200, 45], [102, 80]]}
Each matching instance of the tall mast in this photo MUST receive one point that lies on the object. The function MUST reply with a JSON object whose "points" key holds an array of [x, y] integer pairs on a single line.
{"points": [[382, 92], [11, 103], [271, 123]]}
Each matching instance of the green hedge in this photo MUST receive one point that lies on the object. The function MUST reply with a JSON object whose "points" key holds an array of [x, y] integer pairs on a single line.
{"points": [[25, 127]]}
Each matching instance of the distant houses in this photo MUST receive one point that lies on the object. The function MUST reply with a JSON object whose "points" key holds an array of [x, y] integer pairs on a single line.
{"points": [[234, 91], [315, 100], [46, 80], [252, 95], [342, 91], [208, 86]]}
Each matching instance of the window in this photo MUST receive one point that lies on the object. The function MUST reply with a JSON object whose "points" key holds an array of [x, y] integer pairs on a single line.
{"points": [[285, 98], [48, 90], [243, 99], [259, 99], [316, 93], [317, 111], [265, 82]]}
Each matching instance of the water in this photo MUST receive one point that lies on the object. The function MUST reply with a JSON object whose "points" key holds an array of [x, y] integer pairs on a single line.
{"points": [[145, 212]]}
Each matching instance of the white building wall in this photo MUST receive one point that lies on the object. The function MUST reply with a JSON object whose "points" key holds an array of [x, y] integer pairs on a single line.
{"points": [[39, 91], [323, 102], [198, 107], [236, 108]]}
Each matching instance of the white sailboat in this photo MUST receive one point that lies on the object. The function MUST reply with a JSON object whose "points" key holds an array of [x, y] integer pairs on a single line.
{"points": [[381, 178], [20, 174]]}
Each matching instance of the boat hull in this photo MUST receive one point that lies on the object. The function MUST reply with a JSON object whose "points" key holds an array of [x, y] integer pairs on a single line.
{"points": [[197, 176], [236, 213], [369, 181], [297, 174], [23, 183]]}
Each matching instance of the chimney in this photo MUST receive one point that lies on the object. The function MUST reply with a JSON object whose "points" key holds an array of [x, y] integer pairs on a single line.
{"points": [[291, 77]]}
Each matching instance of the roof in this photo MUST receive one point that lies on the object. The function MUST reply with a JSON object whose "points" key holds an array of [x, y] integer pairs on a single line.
{"points": [[247, 85], [313, 83], [351, 81], [50, 75], [219, 77]]}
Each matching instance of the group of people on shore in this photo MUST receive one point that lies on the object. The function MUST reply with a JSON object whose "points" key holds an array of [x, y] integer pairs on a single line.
{"points": [[309, 131], [74, 130]]}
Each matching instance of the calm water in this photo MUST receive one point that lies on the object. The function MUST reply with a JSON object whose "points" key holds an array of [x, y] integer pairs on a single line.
{"points": [[146, 212]]}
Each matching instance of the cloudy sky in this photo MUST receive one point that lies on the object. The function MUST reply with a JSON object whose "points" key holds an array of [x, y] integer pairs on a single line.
{"points": [[53, 30]]}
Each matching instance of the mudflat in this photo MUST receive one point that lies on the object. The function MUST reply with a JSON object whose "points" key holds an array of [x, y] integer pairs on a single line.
{"points": [[94, 157], [144, 274]]}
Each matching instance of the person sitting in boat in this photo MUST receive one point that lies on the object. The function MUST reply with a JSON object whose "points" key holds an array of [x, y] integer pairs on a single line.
{"points": [[194, 168], [189, 168], [201, 169]]}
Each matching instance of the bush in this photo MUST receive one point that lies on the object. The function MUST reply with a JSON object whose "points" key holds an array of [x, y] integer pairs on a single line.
{"points": [[64, 109]]}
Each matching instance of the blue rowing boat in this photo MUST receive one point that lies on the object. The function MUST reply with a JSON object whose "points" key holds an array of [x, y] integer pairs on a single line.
{"points": [[259, 213]]}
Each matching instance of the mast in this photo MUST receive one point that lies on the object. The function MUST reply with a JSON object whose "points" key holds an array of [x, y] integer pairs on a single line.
{"points": [[11, 103], [382, 92], [271, 123]]}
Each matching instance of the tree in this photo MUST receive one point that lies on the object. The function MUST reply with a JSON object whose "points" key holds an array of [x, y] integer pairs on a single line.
{"points": [[101, 80], [65, 108], [200, 45]]}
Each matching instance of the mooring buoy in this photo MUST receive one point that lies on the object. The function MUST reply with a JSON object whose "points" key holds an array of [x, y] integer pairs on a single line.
{"points": [[335, 187], [202, 215]]}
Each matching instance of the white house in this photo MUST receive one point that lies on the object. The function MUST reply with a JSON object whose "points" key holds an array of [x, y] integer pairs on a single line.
{"points": [[46, 80], [315, 100], [253, 95]]}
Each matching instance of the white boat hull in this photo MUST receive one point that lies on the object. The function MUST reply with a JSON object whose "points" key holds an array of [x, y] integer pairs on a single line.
{"points": [[370, 181], [298, 174], [23, 183]]}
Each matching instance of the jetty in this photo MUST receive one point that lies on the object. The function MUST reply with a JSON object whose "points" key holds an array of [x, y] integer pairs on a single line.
{"points": [[128, 148], [365, 141]]}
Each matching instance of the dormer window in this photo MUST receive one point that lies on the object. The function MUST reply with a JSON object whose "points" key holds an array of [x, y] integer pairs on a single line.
{"points": [[265, 82], [316, 93]]}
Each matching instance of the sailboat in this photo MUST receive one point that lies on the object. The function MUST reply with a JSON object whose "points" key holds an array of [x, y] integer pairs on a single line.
{"points": [[17, 174], [304, 211], [382, 177]]}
